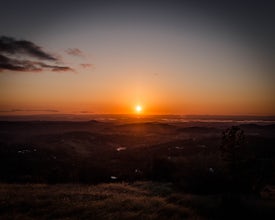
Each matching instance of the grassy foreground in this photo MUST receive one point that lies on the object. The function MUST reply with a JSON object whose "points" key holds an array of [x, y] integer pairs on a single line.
{"points": [[104, 201], [141, 200]]}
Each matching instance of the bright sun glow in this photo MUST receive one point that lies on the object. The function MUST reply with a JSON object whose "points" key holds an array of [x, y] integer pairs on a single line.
{"points": [[138, 108]]}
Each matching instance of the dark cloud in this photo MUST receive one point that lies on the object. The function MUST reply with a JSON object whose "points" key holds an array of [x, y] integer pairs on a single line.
{"points": [[61, 69], [75, 52], [11, 46], [7, 63], [21, 55]]}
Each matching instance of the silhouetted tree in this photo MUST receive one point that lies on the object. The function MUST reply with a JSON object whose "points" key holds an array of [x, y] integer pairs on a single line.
{"points": [[232, 141]]}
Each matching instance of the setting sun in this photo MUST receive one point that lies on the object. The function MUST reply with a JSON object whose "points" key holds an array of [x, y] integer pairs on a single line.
{"points": [[138, 108]]}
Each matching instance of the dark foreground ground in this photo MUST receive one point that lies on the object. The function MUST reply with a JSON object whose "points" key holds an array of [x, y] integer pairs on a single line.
{"points": [[135, 168], [140, 200]]}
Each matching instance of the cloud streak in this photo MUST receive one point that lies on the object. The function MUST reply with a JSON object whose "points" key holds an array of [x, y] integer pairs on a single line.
{"points": [[75, 52], [86, 65], [28, 110], [25, 56]]}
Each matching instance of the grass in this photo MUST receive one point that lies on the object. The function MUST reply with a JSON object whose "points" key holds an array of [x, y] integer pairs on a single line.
{"points": [[139, 200], [104, 201]]}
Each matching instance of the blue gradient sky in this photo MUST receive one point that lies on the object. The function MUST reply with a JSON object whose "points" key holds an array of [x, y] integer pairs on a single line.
{"points": [[171, 57]]}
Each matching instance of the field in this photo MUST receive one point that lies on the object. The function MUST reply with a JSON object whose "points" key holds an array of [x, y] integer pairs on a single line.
{"points": [[157, 167]]}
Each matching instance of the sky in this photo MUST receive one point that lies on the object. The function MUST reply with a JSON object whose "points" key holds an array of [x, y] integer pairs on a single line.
{"points": [[107, 57]]}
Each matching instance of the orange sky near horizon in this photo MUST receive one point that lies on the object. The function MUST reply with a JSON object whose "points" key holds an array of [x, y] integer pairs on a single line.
{"points": [[157, 93], [77, 97]]}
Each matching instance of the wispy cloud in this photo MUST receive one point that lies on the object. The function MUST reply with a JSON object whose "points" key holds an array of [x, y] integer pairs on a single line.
{"points": [[28, 110], [75, 52], [86, 112], [25, 56], [86, 65]]}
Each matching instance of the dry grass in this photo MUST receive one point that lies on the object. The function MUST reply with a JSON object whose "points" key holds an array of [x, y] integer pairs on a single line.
{"points": [[140, 200], [104, 201]]}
